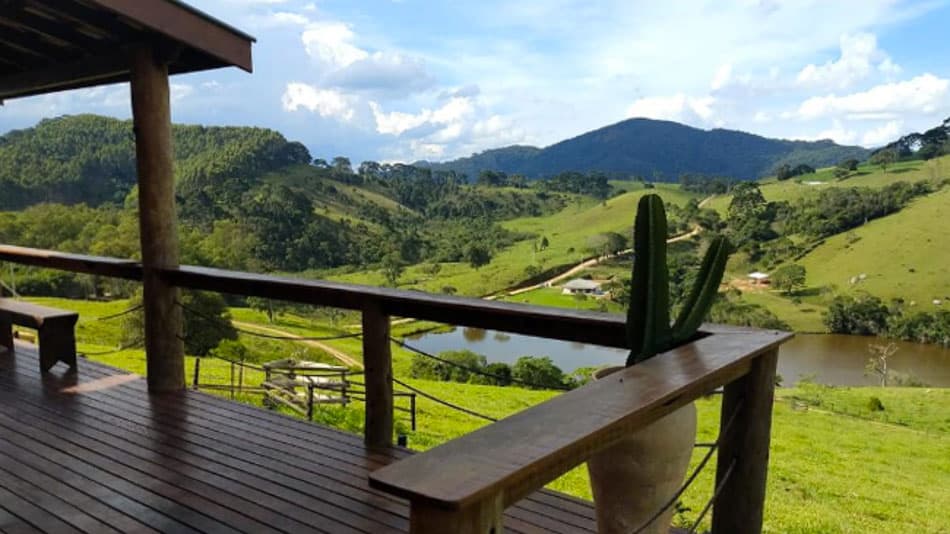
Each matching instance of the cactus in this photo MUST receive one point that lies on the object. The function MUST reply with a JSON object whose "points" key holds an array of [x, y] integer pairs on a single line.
{"points": [[648, 317]]}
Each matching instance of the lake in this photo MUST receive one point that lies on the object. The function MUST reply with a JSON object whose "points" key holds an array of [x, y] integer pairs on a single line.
{"points": [[832, 359]]}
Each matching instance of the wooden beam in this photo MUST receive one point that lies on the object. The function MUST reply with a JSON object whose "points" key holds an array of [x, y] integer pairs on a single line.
{"points": [[157, 220], [378, 372], [744, 449], [96, 70], [525, 451], [484, 517], [189, 26]]}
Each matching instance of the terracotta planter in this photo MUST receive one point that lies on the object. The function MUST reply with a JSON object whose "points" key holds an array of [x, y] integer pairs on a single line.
{"points": [[636, 477]]}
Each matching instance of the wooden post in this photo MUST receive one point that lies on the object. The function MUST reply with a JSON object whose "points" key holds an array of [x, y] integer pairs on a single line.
{"points": [[157, 219], [484, 517], [739, 508], [378, 363]]}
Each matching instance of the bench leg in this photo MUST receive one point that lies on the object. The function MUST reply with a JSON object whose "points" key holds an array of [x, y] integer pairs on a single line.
{"points": [[57, 344], [6, 336]]}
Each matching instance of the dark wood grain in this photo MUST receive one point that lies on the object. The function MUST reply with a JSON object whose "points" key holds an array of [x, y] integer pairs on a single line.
{"points": [[158, 225], [189, 460], [378, 372], [525, 451], [739, 508]]}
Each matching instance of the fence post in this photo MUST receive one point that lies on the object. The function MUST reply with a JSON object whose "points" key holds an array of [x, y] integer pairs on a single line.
{"points": [[377, 362], [739, 507]]}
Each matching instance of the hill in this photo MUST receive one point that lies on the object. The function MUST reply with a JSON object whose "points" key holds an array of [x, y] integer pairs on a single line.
{"points": [[904, 255], [656, 149], [91, 159]]}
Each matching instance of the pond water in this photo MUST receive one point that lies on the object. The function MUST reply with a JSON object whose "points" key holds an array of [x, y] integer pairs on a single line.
{"points": [[832, 359]]}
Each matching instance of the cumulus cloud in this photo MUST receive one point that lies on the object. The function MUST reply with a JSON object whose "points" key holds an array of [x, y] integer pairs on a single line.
{"points": [[396, 122], [883, 134], [678, 107], [859, 58], [331, 43], [325, 102], [383, 72], [923, 94]]}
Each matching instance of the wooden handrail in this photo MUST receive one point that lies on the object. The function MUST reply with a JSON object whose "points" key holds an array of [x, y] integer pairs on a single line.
{"points": [[466, 484], [77, 263], [518, 455]]}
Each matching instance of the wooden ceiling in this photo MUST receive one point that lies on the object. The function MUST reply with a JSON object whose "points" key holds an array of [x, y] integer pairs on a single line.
{"points": [[54, 45]]}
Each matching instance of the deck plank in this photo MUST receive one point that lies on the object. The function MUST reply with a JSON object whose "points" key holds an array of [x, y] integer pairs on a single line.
{"points": [[111, 456]]}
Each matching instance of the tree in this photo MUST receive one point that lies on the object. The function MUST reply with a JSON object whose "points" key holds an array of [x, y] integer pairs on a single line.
{"points": [[884, 158], [863, 315], [432, 269], [849, 165], [341, 165], [393, 267], [271, 308], [544, 243], [877, 363], [477, 255], [540, 372], [789, 277], [206, 323]]}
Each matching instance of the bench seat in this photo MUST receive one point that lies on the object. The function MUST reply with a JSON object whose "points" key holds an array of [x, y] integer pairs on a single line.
{"points": [[56, 330]]}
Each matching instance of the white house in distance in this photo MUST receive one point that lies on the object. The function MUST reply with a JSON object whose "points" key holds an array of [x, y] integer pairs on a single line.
{"points": [[580, 286], [759, 278]]}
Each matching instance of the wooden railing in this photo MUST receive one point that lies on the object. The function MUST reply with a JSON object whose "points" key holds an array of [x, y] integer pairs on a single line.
{"points": [[464, 485]]}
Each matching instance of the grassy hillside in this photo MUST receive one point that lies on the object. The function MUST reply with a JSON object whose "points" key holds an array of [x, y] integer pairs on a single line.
{"points": [[866, 176], [568, 231], [905, 255], [835, 466]]}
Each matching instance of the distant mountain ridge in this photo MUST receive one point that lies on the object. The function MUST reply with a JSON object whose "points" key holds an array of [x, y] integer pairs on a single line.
{"points": [[654, 149]]}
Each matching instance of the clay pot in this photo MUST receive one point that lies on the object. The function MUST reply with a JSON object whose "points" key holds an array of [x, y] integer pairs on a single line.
{"points": [[634, 478]]}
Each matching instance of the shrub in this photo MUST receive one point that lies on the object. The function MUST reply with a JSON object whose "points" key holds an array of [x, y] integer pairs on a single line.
{"points": [[540, 372], [875, 404]]}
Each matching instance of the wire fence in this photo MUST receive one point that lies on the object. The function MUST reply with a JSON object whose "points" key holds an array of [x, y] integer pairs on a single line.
{"points": [[712, 447]]}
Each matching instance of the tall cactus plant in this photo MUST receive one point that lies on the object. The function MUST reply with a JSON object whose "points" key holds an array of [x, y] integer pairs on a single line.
{"points": [[649, 331]]}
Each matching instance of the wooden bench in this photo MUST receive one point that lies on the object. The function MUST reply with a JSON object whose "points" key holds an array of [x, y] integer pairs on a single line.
{"points": [[56, 330]]}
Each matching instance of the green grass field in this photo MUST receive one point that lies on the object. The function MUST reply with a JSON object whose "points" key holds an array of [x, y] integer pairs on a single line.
{"points": [[905, 255], [866, 176], [836, 466]]}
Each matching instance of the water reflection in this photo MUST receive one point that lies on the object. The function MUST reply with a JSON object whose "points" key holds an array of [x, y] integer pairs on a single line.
{"points": [[826, 358]]}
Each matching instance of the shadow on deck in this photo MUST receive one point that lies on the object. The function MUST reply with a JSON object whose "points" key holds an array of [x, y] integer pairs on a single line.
{"points": [[96, 453]]}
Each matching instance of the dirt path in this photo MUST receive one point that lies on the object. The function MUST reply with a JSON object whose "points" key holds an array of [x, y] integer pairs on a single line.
{"points": [[589, 263], [336, 353]]}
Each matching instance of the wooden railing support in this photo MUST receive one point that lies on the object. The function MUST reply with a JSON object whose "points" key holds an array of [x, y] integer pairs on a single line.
{"points": [[151, 114], [378, 369], [484, 517], [740, 505]]}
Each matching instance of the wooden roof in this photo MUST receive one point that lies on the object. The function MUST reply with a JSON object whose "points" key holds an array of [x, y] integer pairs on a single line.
{"points": [[54, 45]]}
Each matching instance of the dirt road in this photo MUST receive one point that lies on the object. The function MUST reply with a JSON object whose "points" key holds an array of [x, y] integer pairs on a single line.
{"points": [[336, 353]]}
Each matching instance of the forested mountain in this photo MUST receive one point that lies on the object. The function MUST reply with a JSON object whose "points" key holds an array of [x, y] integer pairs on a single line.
{"points": [[659, 150], [91, 159]]}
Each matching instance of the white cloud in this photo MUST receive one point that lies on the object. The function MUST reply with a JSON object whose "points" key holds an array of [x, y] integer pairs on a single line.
{"points": [[331, 44], [859, 56], [449, 115], [722, 77], [325, 102], [678, 107], [388, 73], [310, 7], [837, 133], [280, 19], [923, 94], [179, 91], [883, 134]]}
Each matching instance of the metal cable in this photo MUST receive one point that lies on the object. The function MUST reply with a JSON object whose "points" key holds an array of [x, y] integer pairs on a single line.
{"points": [[719, 486], [444, 402], [220, 323], [692, 477]]}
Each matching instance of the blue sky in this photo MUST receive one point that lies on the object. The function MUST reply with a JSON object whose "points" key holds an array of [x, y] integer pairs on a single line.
{"points": [[401, 80]]}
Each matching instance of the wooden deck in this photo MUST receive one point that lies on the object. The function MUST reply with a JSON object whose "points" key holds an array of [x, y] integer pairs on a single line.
{"points": [[95, 453]]}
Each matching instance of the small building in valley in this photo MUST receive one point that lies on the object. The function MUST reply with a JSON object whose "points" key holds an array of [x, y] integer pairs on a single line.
{"points": [[759, 278], [581, 286]]}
